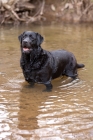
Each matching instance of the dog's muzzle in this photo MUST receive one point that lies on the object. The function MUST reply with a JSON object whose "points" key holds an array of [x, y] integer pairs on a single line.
{"points": [[26, 47]]}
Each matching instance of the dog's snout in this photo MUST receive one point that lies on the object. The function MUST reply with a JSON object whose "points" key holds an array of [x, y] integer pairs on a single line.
{"points": [[25, 41]]}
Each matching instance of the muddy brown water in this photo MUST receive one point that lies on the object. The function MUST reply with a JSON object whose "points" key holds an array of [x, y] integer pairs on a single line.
{"points": [[66, 113]]}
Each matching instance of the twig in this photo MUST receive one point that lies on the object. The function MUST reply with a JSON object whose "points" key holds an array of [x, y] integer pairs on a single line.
{"points": [[42, 8], [86, 10], [40, 11]]}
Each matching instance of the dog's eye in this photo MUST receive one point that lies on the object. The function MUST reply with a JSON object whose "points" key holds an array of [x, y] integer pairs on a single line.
{"points": [[24, 36], [30, 36]]}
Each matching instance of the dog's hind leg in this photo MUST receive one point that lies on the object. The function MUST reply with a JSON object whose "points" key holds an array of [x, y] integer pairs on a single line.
{"points": [[71, 73]]}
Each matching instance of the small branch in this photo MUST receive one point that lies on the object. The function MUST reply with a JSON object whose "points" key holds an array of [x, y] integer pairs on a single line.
{"points": [[17, 17], [86, 10], [42, 7], [8, 7]]}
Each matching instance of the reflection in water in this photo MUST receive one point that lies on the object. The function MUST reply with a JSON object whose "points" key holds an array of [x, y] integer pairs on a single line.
{"points": [[66, 113]]}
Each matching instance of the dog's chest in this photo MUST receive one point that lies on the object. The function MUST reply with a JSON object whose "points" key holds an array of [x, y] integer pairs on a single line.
{"points": [[27, 70]]}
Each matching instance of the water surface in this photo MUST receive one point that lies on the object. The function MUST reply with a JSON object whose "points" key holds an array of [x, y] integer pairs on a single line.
{"points": [[66, 113]]}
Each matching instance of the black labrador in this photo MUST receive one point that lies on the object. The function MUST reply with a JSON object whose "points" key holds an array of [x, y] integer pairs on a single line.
{"points": [[41, 66]]}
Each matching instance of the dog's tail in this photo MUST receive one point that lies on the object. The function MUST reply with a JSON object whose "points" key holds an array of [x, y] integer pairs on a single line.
{"points": [[80, 65]]}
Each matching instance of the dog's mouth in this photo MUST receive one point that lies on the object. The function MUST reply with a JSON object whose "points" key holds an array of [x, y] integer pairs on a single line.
{"points": [[26, 49]]}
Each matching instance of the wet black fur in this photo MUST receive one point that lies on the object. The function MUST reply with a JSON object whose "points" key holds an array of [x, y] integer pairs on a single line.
{"points": [[41, 66]]}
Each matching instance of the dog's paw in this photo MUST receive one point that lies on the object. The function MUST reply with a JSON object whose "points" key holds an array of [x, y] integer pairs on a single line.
{"points": [[47, 90], [31, 84]]}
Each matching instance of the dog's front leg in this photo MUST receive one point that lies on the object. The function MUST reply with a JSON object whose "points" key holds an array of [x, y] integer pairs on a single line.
{"points": [[48, 87], [31, 82]]}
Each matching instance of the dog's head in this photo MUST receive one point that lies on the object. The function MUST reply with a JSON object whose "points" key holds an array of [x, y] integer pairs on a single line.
{"points": [[30, 41]]}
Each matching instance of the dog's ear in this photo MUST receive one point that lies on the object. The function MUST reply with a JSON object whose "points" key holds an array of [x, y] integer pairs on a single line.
{"points": [[20, 37], [39, 39]]}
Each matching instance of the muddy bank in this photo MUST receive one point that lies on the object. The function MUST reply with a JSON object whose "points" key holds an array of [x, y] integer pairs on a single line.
{"points": [[46, 11]]}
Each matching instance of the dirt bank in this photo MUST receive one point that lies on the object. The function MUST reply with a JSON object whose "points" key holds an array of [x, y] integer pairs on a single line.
{"points": [[46, 11]]}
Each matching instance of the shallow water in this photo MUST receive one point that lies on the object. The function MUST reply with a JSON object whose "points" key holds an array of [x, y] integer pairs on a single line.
{"points": [[66, 113]]}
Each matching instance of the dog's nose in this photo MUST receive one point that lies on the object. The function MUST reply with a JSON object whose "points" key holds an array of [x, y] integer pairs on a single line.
{"points": [[24, 41]]}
